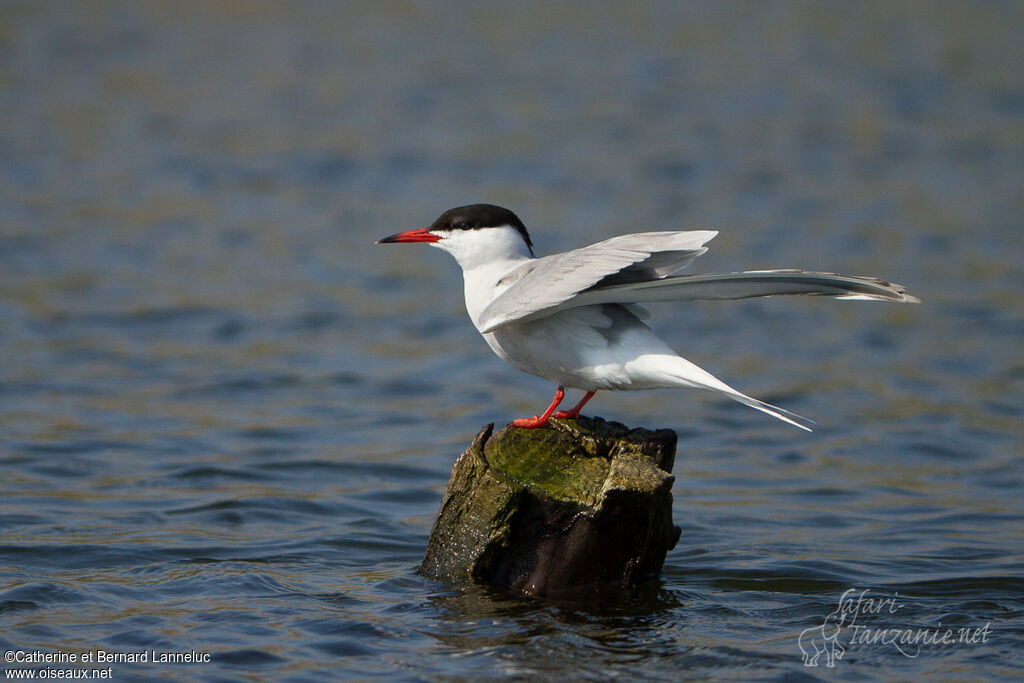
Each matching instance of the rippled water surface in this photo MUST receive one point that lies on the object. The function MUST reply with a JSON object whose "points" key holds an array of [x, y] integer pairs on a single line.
{"points": [[227, 417]]}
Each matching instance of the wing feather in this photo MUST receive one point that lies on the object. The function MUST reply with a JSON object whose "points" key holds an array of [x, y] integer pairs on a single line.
{"points": [[721, 286], [541, 285]]}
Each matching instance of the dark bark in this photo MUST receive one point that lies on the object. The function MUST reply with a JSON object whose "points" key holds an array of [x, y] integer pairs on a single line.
{"points": [[578, 509]]}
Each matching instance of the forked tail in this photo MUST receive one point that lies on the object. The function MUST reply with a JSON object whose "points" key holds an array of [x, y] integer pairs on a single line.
{"points": [[775, 411], [677, 371]]}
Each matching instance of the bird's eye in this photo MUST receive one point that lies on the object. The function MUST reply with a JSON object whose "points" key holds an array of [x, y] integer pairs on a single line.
{"points": [[463, 225]]}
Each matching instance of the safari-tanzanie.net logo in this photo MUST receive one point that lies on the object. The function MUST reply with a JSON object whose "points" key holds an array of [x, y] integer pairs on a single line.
{"points": [[864, 620]]}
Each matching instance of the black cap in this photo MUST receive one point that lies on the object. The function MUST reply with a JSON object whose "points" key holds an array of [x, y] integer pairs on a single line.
{"points": [[477, 216]]}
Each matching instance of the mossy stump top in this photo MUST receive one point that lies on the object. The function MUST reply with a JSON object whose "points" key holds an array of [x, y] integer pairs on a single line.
{"points": [[567, 511]]}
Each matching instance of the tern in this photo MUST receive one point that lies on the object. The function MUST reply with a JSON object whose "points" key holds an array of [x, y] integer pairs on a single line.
{"points": [[573, 318]]}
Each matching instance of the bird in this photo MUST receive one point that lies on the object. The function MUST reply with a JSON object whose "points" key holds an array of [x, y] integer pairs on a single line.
{"points": [[574, 318]]}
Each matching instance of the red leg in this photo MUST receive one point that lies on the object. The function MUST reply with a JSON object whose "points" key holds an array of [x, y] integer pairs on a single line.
{"points": [[542, 421], [575, 412]]}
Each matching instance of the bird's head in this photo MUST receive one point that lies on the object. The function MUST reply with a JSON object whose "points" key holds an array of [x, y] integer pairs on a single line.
{"points": [[475, 234]]}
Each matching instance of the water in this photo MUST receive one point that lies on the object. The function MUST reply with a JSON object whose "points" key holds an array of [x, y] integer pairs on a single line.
{"points": [[227, 418]]}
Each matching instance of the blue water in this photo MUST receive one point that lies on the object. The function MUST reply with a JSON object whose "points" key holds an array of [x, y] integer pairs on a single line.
{"points": [[227, 417]]}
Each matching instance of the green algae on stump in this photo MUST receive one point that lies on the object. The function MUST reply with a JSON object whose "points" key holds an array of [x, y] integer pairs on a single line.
{"points": [[566, 511]]}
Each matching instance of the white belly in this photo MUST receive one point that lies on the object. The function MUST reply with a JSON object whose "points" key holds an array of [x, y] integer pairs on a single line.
{"points": [[588, 348]]}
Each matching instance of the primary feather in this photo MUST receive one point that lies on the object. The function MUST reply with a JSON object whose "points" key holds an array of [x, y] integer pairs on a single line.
{"points": [[745, 285]]}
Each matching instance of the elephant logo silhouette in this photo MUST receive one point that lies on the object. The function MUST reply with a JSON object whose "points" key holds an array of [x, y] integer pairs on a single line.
{"points": [[823, 639]]}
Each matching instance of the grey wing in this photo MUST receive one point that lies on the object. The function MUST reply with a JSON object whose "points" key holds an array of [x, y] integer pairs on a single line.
{"points": [[549, 283], [750, 284], [731, 286]]}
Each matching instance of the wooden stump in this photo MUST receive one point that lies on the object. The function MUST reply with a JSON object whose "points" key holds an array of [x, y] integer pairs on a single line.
{"points": [[577, 509]]}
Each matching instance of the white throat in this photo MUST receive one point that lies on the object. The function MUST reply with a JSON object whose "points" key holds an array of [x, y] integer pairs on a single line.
{"points": [[486, 255], [476, 248]]}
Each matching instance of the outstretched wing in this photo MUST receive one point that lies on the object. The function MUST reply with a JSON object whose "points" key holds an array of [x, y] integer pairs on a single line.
{"points": [[541, 286], [744, 285]]}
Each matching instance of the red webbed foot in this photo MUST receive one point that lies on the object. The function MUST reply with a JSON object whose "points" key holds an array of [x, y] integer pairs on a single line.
{"points": [[530, 422], [542, 420], [575, 412]]}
